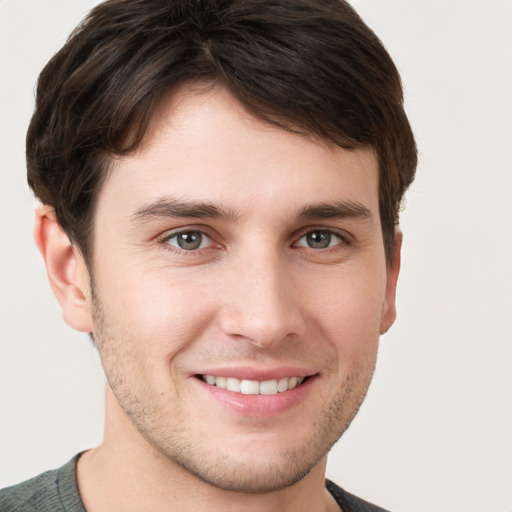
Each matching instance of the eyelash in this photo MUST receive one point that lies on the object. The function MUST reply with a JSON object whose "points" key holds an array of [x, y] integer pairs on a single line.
{"points": [[344, 240]]}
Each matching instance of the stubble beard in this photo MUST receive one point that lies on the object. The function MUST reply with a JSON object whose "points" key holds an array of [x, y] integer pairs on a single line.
{"points": [[217, 466]]}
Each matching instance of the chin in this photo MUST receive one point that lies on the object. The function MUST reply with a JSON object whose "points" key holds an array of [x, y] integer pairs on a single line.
{"points": [[251, 478], [262, 466]]}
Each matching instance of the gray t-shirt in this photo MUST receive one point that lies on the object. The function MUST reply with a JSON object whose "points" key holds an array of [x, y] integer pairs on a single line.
{"points": [[57, 491], [51, 491]]}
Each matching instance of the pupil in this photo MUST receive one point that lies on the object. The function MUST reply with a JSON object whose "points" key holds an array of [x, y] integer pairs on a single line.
{"points": [[319, 239], [190, 240]]}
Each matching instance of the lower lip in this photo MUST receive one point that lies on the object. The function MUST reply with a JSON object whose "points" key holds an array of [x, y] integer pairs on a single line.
{"points": [[258, 405]]}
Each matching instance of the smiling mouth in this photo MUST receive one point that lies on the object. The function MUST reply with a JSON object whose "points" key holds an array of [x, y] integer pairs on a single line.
{"points": [[253, 387]]}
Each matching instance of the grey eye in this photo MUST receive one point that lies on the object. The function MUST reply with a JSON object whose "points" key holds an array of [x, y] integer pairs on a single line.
{"points": [[189, 240], [319, 239]]}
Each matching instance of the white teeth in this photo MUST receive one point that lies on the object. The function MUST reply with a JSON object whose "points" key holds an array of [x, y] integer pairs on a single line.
{"points": [[210, 379], [282, 385], [220, 382], [268, 387], [233, 384], [250, 387], [254, 387]]}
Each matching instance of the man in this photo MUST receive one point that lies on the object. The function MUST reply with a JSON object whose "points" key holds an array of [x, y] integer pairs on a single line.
{"points": [[219, 184]]}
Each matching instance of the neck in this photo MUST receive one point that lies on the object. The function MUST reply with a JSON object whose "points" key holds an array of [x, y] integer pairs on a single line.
{"points": [[125, 473]]}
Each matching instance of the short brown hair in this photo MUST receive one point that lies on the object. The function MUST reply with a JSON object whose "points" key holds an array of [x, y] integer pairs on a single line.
{"points": [[311, 66]]}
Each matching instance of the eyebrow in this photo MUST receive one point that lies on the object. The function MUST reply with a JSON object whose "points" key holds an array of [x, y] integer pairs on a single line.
{"points": [[174, 208], [336, 210]]}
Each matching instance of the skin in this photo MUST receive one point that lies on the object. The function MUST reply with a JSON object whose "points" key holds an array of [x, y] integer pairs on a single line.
{"points": [[255, 296]]}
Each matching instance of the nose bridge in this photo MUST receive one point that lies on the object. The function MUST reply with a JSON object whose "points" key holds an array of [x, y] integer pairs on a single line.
{"points": [[261, 304]]}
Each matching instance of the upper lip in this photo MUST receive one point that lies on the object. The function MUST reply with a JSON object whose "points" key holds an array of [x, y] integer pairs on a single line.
{"points": [[258, 374]]}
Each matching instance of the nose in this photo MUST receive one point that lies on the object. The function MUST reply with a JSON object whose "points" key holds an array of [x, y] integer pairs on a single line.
{"points": [[260, 303]]}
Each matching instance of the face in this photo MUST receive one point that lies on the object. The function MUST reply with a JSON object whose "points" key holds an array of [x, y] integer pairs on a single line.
{"points": [[240, 287]]}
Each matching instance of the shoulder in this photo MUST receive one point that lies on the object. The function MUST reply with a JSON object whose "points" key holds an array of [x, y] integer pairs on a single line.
{"points": [[51, 491], [38, 493], [348, 502]]}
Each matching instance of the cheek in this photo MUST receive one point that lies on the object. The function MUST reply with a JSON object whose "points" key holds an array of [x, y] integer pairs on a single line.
{"points": [[349, 310], [153, 312]]}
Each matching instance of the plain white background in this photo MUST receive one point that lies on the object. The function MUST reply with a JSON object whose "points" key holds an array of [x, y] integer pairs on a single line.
{"points": [[435, 433]]}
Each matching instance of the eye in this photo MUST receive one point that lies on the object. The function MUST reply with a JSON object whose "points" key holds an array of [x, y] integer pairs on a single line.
{"points": [[320, 239], [189, 240]]}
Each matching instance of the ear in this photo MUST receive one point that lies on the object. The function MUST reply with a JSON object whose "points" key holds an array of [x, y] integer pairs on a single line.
{"points": [[66, 269], [389, 306]]}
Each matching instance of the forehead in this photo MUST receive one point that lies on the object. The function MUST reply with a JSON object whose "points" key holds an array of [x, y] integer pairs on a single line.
{"points": [[203, 145]]}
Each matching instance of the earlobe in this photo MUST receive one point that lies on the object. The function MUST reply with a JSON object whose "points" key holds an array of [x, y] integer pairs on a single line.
{"points": [[389, 307], [66, 269]]}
